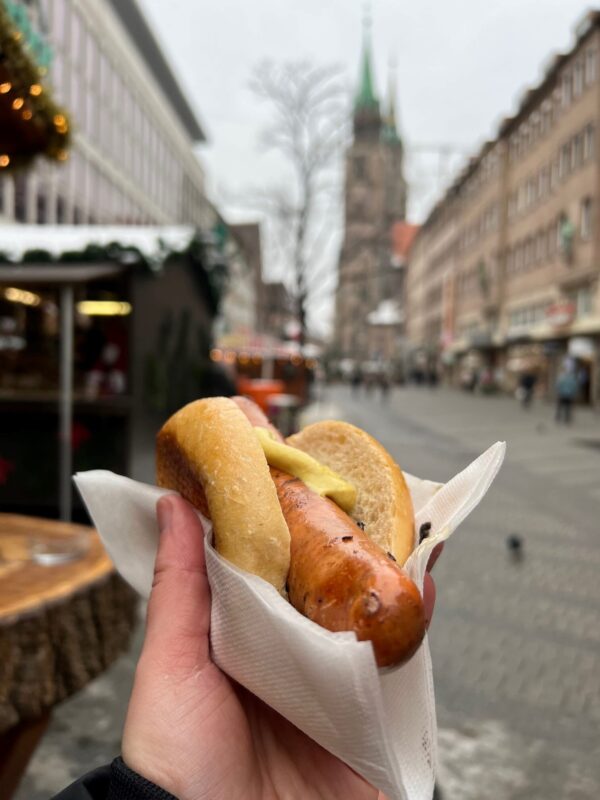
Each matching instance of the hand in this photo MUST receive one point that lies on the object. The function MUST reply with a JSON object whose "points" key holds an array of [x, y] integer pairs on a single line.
{"points": [[192, 730]]}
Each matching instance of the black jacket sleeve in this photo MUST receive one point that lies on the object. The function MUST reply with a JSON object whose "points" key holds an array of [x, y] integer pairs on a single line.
{"points": [[114, 782]]}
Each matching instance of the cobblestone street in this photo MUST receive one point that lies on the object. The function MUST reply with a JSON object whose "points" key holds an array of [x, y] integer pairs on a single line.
{"points": [[515, 642]]}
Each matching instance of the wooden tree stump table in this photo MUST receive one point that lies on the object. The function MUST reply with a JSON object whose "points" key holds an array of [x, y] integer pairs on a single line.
{"points": [[62, 622]]}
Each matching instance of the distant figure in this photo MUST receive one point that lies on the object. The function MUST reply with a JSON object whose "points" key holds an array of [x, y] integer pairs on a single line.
{"points": [[527, 386], [384, 385], [369, 383], [356, 380], [567, 388]]}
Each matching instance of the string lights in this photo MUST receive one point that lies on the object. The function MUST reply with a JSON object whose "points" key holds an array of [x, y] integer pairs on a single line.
{"points": [[25, 56]]}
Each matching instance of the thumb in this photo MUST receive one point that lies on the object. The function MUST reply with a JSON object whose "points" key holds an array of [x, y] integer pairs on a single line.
{"points": [[178, 617]]}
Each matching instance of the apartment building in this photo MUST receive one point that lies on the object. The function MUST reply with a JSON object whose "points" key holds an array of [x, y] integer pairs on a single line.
{"points": [[503, 278]]}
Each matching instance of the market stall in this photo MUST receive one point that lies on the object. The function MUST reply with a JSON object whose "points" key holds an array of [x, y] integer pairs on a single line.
{"points": [[98, 344]]}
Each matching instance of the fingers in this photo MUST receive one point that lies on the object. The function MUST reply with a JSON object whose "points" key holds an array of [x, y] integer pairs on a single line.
{"points": [[435, 554], [428, 598], [178, 617]]}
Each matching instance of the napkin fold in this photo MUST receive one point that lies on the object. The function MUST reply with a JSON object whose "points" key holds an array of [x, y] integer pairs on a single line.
{"points": [[381, 723]]}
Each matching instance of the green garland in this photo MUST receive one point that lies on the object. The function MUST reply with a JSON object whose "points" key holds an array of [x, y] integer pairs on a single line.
{"points": [[209, 274], [23, 72]]}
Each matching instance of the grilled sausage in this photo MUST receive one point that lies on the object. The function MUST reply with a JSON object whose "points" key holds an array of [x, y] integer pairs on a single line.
{"points": [[338, 577]]}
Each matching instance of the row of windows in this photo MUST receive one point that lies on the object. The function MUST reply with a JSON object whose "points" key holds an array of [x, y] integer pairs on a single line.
{"points": [[575, 79], [527, 316], [542, 245], [489, 167], [578, 76], [572, 155], [472, 280], [582, 299], [109, 111], [80, 193], [486, 223]]}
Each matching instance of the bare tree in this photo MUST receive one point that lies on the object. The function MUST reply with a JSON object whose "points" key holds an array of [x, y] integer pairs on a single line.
{"points": [[310, 129]]}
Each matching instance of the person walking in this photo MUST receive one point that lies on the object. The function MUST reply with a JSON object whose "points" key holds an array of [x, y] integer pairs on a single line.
{"points": [[567, 387], [526, 388]]}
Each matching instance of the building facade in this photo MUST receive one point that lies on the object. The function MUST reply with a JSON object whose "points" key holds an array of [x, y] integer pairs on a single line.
{"points": [[503, 277], [133, 131], [375, 198]]}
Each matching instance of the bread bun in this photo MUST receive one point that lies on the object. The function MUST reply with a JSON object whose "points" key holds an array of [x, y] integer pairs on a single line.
{"points": [[383, 501], [209, 453]]}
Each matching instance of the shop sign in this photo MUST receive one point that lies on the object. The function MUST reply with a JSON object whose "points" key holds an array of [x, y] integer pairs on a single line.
{"points": [[560, 314], [581, 347]]}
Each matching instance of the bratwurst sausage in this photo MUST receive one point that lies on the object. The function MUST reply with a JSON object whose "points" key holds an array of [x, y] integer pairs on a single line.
{"points": [[338, 577]]}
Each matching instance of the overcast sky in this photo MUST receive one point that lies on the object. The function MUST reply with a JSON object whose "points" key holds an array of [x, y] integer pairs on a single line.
{"points": [[461, 66]]}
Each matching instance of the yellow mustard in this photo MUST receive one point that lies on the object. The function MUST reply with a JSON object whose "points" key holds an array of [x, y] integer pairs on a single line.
{"points": [[316, 476]]}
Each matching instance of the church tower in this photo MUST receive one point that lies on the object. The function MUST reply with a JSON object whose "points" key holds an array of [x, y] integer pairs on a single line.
{"points": [[375, 198]]}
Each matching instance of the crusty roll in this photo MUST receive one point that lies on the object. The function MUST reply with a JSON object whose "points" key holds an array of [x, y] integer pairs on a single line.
{"points": [[209, 450], [383, 502]]}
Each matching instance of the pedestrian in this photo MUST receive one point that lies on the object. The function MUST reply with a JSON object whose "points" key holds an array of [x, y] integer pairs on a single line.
{"points": [[567, 388], [526, 388], [190, 731], [356, 380], [384, 385]]}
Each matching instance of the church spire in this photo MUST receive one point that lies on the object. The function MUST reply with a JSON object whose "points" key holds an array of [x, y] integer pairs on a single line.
{"points": [[390, 126], [366, 102]]}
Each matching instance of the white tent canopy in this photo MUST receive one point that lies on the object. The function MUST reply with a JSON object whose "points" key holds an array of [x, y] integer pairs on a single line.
{"points": [[386, 313], [152, 241]]}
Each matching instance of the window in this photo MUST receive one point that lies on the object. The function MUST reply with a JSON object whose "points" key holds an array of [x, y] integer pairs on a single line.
{"points": [[577, 150], [76, 37], [578, 77], [585, 225], [567, 90], [518, 257], [59, 13], [551, 238], [543, 181], [509, 261], [583, 301], [20, 180], [540, 246], [530, 191], [530, 251], [91, 58], [572, 155], [563, 164], [559, 228], [554, 172], [546, 117], [588, 142], [590, 66]]}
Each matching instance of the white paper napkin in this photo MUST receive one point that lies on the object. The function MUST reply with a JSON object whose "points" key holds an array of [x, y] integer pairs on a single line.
{"points": [[381, 723]]}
